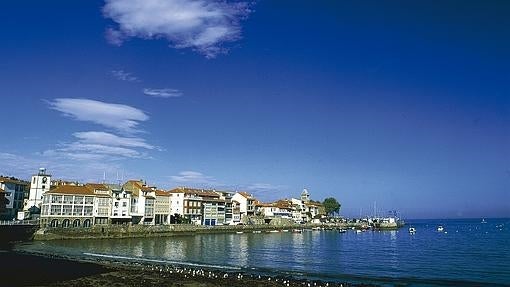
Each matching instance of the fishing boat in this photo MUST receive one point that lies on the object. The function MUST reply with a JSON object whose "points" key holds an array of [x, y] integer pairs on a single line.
{"points": [[412, 230], [440, 228]]}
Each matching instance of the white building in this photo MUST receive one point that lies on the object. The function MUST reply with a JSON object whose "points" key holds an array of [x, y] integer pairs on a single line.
{"points": [[143, 200], [75, 206], [121, 205], [41, 183], [162, 207], [246, 203]]}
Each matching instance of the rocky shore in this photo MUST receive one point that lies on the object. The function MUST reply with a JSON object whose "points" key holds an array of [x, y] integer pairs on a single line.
{"points": [[46, 270]]}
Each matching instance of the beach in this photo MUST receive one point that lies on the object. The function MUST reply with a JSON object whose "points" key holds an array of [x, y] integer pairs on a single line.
{"points": [[50, 270]]}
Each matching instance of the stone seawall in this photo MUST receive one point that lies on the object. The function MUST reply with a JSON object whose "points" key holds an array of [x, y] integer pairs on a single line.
{"points": [[131, 231]]}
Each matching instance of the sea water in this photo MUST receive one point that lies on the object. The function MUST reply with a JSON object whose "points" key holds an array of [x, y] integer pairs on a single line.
{"points": [[467, 252]]}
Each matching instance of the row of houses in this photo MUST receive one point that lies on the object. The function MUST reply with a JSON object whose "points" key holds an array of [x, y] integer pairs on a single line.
{"points": [[71, 204]]}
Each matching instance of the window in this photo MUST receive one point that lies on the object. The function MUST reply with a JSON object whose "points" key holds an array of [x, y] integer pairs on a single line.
{"points": [[43, 186], [68, 210], [87, 212], [116, 204], [124, 204], [89, 200], [56, 210], [78, 200], [76, 223], [68, 199], [65, 223], [54, 223], [78, 210]]}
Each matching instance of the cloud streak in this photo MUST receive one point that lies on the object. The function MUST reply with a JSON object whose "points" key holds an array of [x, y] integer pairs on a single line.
{"points": [[202, 25], [162, 93], [124, 76], [122, 118], [192, 178], [94, 145]]}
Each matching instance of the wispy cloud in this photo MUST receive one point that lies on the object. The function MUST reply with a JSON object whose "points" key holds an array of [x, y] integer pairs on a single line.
{"points": [[104, 138], [24, 166], [202, 25], [122, 118], [162, 93], [96, 145], [124, 76], [193, 178]]}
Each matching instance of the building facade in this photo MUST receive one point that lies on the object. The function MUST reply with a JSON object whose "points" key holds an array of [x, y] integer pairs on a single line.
{"points": [[75, 206], [13, 192], [40, 184]]}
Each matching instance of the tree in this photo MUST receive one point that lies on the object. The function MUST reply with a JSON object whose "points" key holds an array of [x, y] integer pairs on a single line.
{"points": [[331, 205]]}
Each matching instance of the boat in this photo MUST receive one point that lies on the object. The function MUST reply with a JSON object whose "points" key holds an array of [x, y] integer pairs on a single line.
{"points": [[412, 230], [257, 231], [483, 221], [440, 228], [358, 231], [285, 230], [297, 231], [239, 232], [273, 231], [342, 230]]}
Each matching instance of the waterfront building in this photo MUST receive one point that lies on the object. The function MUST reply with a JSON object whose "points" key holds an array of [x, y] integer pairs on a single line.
{"points": [[14, 192], [143, 199], [199, 206], [76, 206], [246, 204], [236, 212], [213, 208], [279, 209], [121, 204], [305, 209], [227, 197], [40, 183], [176, 203], [162, 207]]}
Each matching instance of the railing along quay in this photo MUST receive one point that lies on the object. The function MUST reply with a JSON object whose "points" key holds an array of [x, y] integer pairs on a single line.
{"points": [[19, 222]]}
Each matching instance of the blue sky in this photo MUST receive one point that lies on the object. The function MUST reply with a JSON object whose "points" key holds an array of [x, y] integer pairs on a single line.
{"points": [[406, 104]]}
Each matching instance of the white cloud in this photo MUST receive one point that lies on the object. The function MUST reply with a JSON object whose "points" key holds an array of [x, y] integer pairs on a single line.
{"points": [[202, 25], [104, 138], [162, 93], [124, 76], [192, 177], [24, 166], [116, 116], [96, 145]]}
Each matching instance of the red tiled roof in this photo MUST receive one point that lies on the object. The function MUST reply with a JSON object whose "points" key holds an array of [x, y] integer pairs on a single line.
{"points": [[76, 190], [97, 186], [246, 195], [198, 192], [162, 192]]}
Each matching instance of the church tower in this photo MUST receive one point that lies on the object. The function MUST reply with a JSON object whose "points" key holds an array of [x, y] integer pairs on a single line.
{"points": [[40, 184], [305, 196]]}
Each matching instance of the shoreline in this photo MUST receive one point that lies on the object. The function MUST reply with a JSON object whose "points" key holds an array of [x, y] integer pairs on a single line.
{"points": [[58, 270]]}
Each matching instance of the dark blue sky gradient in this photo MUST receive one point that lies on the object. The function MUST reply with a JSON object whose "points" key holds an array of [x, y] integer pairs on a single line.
{"points": [[406, 103]]}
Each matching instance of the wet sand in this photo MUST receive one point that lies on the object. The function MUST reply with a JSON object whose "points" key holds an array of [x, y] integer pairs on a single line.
{"points": [[22, 269]]}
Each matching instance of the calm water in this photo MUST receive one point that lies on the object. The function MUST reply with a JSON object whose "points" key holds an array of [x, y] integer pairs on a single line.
{"points": [[468, 253]]}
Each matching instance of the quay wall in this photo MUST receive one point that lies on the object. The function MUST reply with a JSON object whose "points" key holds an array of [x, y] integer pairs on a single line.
{"points": [[132, 231]]}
